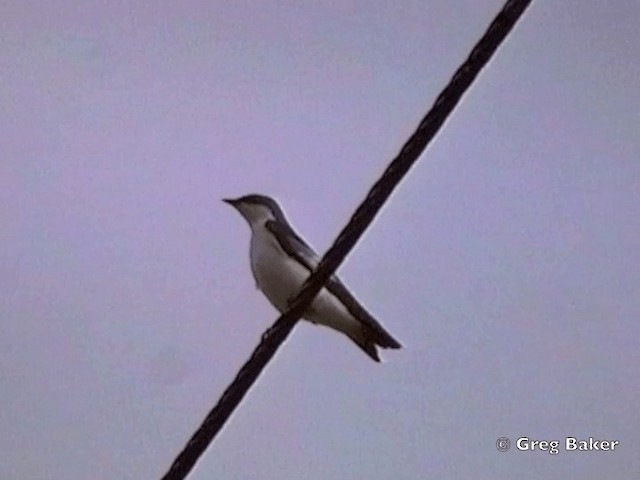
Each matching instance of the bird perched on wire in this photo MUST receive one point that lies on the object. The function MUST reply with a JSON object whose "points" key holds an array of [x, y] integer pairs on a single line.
{"points": [[281, 261]]}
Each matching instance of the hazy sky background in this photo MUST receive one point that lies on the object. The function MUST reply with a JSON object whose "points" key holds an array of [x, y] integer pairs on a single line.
{"points": [[507, 262]]}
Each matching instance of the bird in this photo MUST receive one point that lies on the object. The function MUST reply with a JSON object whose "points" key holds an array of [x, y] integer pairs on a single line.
{"points": [[281, 261]]}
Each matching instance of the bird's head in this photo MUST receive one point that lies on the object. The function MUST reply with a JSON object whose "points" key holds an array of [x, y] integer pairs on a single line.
{"points": [[257, 209]]}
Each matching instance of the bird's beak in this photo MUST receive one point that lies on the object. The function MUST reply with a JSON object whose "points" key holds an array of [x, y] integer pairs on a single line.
{"points": [[230, 201]]}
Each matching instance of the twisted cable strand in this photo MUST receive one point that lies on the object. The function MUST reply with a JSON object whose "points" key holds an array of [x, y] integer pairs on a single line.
{"points": [[349, 236]]}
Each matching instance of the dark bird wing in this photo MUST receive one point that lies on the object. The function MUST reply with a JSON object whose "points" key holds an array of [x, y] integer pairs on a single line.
{"points": [[297, 248]]}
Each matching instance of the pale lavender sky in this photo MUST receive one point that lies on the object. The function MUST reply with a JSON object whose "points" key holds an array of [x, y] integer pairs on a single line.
{"points": [[507, 262]]}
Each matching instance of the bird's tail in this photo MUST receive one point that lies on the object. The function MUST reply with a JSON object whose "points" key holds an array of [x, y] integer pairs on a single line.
{"points": [[369, 340]]}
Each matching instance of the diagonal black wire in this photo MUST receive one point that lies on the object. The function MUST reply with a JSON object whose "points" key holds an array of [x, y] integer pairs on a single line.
{"points": [[350, 234]]}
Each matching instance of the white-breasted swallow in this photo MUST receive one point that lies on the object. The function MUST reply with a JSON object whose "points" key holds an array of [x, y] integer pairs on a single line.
{"points": [[281, 261]]}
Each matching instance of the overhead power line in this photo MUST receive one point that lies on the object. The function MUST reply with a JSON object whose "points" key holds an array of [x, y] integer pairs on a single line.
{"points": [[349, 236]]}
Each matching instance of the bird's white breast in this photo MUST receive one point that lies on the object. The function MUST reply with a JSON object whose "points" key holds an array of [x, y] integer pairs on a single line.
{"points": [[277, 275], [280, 277]]}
